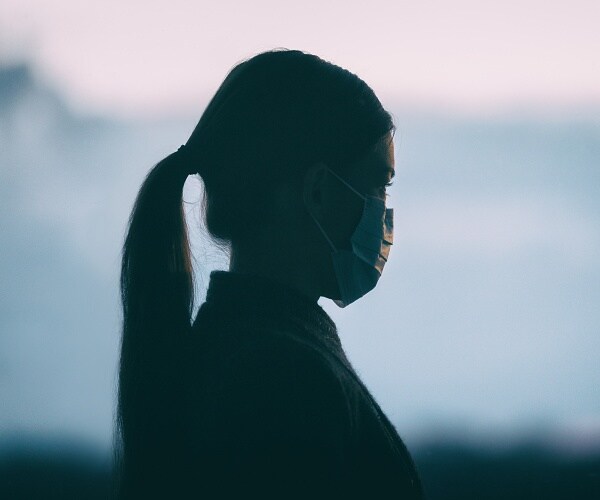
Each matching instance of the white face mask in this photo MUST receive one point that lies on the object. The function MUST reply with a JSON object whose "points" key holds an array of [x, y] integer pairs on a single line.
{"points": [[358, 270]]}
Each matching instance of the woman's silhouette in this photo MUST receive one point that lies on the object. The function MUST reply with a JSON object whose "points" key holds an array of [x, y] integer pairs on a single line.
{"points": [[255, 398]]}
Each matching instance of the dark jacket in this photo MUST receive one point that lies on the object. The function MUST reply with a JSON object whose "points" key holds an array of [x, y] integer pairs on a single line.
{"points": [[277, 409]]}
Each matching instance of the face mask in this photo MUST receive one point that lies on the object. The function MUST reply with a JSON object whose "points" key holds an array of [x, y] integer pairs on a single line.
{"points": [[358, 270]]}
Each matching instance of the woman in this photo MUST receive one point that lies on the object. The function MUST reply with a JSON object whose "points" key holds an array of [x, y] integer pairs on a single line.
{"points": [[255, 398]]}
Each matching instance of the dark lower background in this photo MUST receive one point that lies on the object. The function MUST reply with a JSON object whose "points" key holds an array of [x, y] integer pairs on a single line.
{"points": [[62, 469]]}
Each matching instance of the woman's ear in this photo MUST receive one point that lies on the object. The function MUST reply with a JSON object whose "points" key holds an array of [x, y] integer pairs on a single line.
{"points": [[314, 191]]}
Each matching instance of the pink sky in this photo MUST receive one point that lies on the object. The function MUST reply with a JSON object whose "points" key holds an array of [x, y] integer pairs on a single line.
{"points": [[143, 57]]}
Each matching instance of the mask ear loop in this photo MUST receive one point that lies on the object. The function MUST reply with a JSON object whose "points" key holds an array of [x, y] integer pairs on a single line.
{"points": [[347, 185], [323, 232], [317, 222]]}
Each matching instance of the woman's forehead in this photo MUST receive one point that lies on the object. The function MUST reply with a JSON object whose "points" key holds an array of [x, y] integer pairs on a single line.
{"points": [[379, 163], [385, 150]]}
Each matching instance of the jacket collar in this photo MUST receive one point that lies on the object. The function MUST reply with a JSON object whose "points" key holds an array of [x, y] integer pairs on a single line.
{"points": [[257, 301]]}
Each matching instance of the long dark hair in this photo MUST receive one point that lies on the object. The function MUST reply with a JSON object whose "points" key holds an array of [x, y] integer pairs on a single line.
{"points": [[273, 116]]}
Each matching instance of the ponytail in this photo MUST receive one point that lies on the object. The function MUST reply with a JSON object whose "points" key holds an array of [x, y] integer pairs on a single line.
{"points": [[157, 300]]}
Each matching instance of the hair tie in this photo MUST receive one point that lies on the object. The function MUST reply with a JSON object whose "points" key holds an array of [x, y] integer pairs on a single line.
{"points": [[187, 160]]}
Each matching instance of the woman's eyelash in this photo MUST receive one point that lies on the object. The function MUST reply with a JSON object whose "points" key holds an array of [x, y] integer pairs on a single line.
{"points": [[389, 184]]}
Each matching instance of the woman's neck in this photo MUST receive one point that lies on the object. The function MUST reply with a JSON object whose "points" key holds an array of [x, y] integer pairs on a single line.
{"points": [[279, 262]]}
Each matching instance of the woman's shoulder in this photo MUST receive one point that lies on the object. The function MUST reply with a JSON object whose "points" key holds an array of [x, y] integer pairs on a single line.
{"points": [[269, 368], [271, 386], [268, 356]]}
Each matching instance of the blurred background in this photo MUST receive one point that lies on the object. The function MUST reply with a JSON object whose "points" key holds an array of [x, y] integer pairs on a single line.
{"points": [[482, 339]]}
